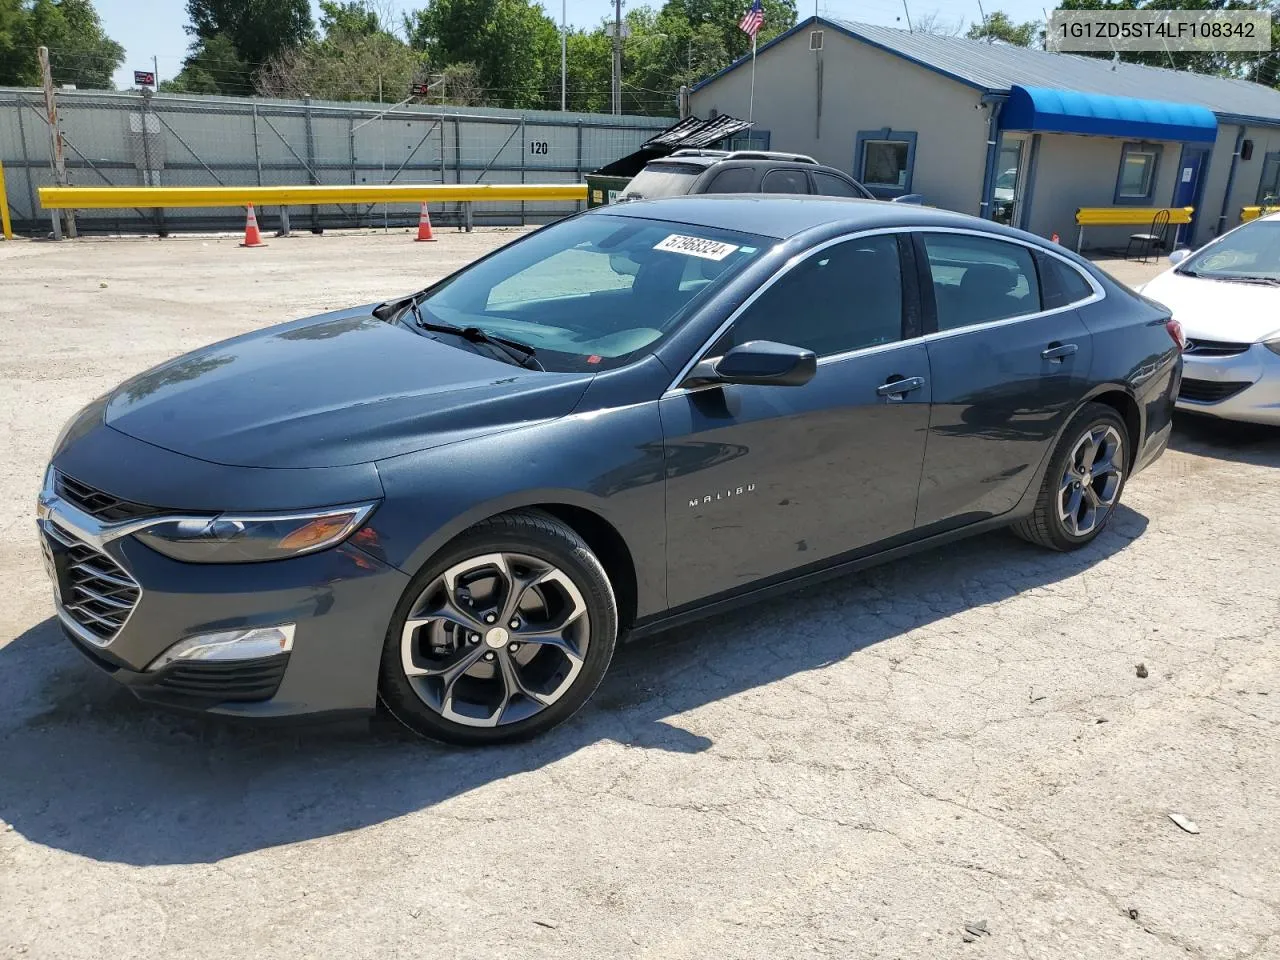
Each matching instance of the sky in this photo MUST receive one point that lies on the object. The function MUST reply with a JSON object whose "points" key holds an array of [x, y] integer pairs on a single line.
{"points": [[153, 28]]}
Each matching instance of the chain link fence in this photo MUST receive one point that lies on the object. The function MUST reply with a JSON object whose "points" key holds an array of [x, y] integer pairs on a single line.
{"points": [[128, 139]]}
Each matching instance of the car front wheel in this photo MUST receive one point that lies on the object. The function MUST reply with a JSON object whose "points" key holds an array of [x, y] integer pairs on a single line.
{"points": [[1083, 485], [502, 636]]}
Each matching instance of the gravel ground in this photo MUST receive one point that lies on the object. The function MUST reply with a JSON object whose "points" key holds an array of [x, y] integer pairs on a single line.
{"points": [[856, 771]]}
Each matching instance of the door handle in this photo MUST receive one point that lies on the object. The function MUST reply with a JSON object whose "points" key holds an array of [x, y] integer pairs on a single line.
{"points": [[1058, 351], [898, 387]]}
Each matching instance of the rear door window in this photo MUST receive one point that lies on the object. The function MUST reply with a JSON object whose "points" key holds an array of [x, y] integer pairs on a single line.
{"points": [[978, 280], [662, 180], [785, 181], [733, 180]]}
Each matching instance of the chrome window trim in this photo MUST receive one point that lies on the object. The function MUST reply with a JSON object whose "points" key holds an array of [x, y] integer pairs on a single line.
{"points": [[1099, 294]]}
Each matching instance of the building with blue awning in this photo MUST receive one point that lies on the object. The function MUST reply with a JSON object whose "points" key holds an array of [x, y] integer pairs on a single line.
{"points": [[1014, 134]]}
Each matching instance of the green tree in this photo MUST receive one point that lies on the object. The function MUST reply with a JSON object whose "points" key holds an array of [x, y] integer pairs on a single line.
{"points": [[259, 29], [235, 39], [356, 59], [12, 57], [720, 18], [353, 18], [80, 51], [1000, 28], [213, 67], [513, 44]]}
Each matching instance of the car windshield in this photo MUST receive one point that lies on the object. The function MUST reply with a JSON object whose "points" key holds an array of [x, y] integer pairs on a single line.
{"points": [[1250, 253], [662, 180], [592, 292]]}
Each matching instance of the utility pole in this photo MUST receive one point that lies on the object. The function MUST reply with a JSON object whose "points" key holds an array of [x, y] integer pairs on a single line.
{"points": [[617, 57], [155, 66], [55, 144]]}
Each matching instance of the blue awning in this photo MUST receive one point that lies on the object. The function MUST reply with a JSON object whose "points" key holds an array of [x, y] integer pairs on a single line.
{"points": [[1099, 115]]}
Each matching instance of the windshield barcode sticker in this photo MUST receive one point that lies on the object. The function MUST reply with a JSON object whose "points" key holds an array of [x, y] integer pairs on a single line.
{"points": [[696, 247]]}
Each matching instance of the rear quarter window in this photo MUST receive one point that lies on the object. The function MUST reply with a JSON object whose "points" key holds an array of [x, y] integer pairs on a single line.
{"points": [[784, 181], [1060, 284], [829, 185]]}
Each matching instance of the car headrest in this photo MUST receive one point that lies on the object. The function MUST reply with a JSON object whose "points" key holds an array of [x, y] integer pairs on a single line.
{"points": [[991, 278]]}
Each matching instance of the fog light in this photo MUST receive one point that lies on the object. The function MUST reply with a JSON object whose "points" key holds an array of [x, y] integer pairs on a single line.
{"points": [[253, 644]]}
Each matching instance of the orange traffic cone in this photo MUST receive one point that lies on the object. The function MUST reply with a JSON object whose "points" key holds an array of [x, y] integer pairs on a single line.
{"points": [[424, 225], [252, 236], [1055, 239]]}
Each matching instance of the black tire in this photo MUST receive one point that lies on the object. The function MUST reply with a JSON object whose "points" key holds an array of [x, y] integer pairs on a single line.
{"points": [[1045, 525], [532, 534]]}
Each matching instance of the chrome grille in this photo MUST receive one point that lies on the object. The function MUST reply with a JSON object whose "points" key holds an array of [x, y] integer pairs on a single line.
{"points": [[100, 504], [95, 591], [1215, 348]]}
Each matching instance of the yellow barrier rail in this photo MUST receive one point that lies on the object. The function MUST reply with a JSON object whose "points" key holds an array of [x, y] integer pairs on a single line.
{"points": [[1253, 213], [1125, 217], [6, 227], [104, 198]]}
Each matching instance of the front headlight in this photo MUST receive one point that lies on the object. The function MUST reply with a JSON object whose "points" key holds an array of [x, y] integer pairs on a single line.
{"points": [[252, 538], [1273, 345]]}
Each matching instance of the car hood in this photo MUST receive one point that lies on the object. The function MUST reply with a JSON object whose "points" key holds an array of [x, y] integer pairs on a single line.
{"points": [[333, 390], [1218, 309]]}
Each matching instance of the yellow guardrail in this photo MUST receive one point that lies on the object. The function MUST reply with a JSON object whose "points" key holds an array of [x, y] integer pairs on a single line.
{"points": [[1253, 213], [1125, 217], [102, 198], [6, 227]]}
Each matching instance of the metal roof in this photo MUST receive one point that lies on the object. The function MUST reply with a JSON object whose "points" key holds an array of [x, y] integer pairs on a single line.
{"points": [[995, 67]]}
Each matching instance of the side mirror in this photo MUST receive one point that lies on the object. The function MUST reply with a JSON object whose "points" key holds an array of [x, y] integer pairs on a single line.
{"points": [[1177, 256], [758, 363]]}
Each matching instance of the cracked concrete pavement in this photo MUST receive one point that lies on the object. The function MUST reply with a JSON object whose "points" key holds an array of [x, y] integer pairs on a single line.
{"points": [[856, 770]]}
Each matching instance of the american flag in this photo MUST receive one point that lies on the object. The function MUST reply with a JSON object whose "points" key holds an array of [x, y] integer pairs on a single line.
{"points": [[752, 20]]}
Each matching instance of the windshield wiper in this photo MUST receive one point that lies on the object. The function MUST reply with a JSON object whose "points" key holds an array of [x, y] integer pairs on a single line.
{"points": [[1265, 281], [521, 354]]}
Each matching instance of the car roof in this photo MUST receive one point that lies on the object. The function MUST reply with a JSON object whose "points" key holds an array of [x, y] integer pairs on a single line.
{"points": [[782, 217]]}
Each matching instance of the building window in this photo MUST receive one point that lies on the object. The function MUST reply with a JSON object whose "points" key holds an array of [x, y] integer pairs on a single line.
{"points": [[1139, 163], [883, 161], [750, 140], [1269, 185]]}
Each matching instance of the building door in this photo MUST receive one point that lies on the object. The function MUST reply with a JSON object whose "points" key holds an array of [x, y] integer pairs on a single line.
{"points": [[1190, 188], [1007, 195]]}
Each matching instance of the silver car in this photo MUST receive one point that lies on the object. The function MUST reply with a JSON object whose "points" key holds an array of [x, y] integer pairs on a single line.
{"points": [[1226, 295]]}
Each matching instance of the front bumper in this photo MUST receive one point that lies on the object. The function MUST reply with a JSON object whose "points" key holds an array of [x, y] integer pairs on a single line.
{"points": [[1244, 386], [340, 599]]}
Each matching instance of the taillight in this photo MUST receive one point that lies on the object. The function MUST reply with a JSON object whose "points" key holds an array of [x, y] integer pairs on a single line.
{"points": [[1175, 332]]}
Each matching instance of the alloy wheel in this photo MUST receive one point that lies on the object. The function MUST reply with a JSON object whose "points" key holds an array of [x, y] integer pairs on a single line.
{"points": [[1091, 482], [495, 639]]}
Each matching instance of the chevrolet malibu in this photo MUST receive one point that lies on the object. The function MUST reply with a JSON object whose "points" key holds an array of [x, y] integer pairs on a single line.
{"points": [[457, 502]]}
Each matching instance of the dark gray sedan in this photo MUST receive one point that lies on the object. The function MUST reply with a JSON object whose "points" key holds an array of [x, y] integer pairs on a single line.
{"points": [[457, 502]]}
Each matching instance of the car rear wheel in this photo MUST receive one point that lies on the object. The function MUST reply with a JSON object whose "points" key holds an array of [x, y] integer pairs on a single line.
{"points": [[1083, 484], [503, 635]]}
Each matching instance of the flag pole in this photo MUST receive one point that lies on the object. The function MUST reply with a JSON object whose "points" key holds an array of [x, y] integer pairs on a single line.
{"points": [[751, 105]]}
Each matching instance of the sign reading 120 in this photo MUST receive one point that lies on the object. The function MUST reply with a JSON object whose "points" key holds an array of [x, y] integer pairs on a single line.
{"points": [[539, 147]]}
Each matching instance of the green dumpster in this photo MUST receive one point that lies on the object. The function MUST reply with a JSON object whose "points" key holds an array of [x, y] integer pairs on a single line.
{"points": [[604, 189]]}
